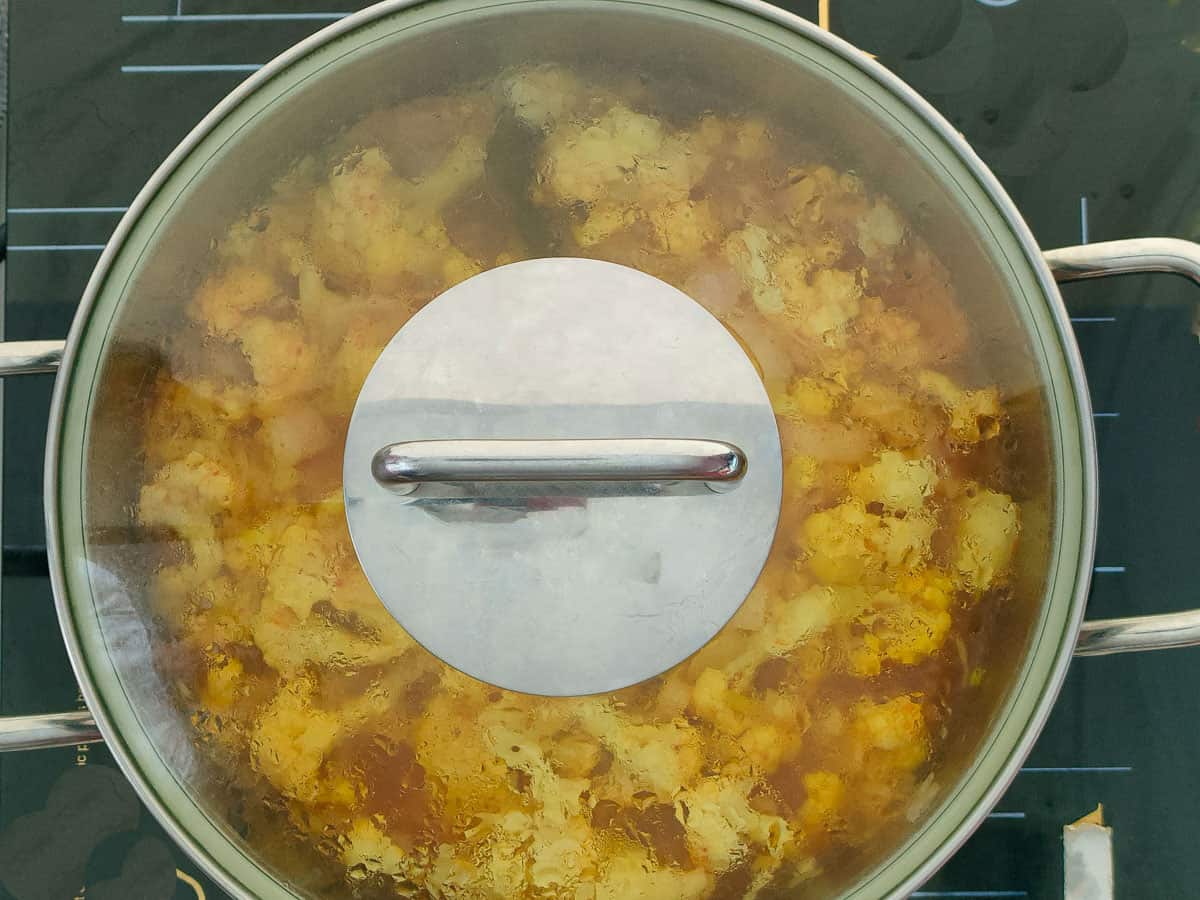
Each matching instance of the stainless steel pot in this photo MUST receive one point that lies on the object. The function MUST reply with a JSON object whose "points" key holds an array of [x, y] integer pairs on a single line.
{"points": [[146, 253]]}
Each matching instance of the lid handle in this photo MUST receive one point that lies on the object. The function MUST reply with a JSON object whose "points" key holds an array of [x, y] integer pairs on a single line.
{"points": [[402, 467]]}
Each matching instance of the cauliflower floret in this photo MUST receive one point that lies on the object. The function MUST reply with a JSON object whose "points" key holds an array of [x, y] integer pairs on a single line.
{"points": [[233, 401], [427, 195], [819, 195], [301, 571], [324, 312], [895, 481], [898, 630], [766, 745], [192, 416], [880, 231], [661, 758], [683, 227], [540, 96], [296, 434], [800, 473], [890, 337], [810, 612], [374, 225], [767, 729], [301, 563], [720, 823], [796, 620], [825, 304], [808, 398], [713, 701], [604, 220], [555, 836], [623, 156], [366, 848], [825, 796], [451, 745], [753, 252], [558, 798], [187, 494], [357, 353], [791, 282], [847, 545], [631, 875], [283, 359], [291, 740], [896, 727], [450, 875], [900, 420], [974, 415], [582, 160], [222, 682], [223, 302], [561, 854], [289, 644], [985, 538], [575, 755]]}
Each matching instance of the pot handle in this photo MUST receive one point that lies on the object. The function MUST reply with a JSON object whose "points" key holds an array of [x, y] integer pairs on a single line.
{"points": [[57, 729], [30, 357], [54, 730], [1156, 632]]}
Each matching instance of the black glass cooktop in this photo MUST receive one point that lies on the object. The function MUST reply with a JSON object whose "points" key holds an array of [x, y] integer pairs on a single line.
{"points": [[1089, 112]]}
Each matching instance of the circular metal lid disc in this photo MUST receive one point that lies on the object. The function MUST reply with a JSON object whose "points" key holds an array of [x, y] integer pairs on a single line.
{"points": [[562, 587]]}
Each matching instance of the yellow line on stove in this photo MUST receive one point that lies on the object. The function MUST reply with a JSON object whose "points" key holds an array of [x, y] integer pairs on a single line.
{"points": [[191, 882]]}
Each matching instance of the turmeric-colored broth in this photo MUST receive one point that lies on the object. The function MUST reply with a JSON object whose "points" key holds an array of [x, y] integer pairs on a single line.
{"points": [[803, 732]]}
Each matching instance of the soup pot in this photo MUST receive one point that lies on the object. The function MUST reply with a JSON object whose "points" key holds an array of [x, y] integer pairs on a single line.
{"points": [[583, 499]]}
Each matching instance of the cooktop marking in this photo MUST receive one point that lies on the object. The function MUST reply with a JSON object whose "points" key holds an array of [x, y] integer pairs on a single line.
{"points": [[208, 67], [237, 17], [64, 210], [52, 248], [1066, 770], [969, 893]]}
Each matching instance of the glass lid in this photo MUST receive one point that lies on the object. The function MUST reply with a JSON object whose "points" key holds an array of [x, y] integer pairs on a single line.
{"points": [[559, 449]]}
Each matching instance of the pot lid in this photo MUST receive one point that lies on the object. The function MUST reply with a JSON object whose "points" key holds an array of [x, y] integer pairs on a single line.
{"points": [[568, 533], [564, 449]]}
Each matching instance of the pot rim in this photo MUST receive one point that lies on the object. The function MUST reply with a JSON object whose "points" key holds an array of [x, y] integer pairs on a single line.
{"points": [[897, 90]]}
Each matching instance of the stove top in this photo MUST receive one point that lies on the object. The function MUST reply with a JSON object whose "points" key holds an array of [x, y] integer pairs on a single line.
{"points": [[1087, 110]]}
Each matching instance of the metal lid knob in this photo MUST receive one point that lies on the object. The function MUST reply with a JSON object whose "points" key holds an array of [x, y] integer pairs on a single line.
{"points": [[562, 476]]}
